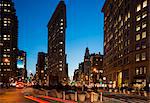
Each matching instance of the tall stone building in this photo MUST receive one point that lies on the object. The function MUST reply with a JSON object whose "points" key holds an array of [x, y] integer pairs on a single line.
{"points": [[127, 42], [57, 66], [8, 42]]}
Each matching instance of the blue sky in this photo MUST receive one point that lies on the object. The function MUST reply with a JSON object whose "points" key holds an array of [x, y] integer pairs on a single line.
{"points": [[84, 28]]}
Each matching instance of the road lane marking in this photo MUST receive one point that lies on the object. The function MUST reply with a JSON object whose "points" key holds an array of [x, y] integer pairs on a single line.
{"points": [[57, 99], [36, 99]]}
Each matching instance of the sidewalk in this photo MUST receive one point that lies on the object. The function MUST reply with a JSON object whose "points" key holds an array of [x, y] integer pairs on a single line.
{"points": [[128, 95]]}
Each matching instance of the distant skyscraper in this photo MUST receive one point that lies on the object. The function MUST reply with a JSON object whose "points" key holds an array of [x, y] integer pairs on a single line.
{"points": [[21, 66], [41, 69], [8, 41], [57, 66], [127, 42]]}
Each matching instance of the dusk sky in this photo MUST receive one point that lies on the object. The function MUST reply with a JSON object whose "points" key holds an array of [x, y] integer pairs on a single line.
{"points": [[84, 29]]}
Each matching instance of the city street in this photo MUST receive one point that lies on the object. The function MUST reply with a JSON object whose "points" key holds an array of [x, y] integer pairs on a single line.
{"points": [[30, 95], [13, 95]]}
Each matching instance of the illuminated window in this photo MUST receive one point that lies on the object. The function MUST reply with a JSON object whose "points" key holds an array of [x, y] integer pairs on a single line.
{"points": [[61, 31], [143, 24], [138, 28], [5, 24], [61, 24], [137, 37], [60, 69], [4, 55], [143, 34], [60, 61], [138, 18], [4, 38], [62, 20], [8, 22], [5, 35], [60, 50], [60, 65], [144, 3], [5, 4], [138, 7], [126, 18], [137, 57], [5, 10], [60, 42], [42, 71], [61, 27], [119, 18], [137, 71], [144, 14], [128, 14], [5, 21], [143, 56], [8, 4]]}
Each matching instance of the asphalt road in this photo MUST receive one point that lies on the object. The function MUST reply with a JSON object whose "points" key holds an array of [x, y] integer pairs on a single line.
{"points": [[13, 95]]}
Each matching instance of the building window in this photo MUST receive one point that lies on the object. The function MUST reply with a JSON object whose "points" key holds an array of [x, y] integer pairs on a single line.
{"points": [[143, 45], [42, 71], [138, 7], [143, 24], [144, 3], [137, 46], [143, 56], [128, 14], [138, 17], [143, 34], [137, 37], [61, 24], [144, 14], [60, 61], [137, 71], [126, 18], [60, 65], [60, 50], [5, 24], [144, 69], [138, 28], [141, 70], [137, 57], [61, 42], [60, 69]]}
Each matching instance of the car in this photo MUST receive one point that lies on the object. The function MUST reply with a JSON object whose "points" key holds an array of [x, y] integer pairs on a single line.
{"points": [[19, 85]]}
